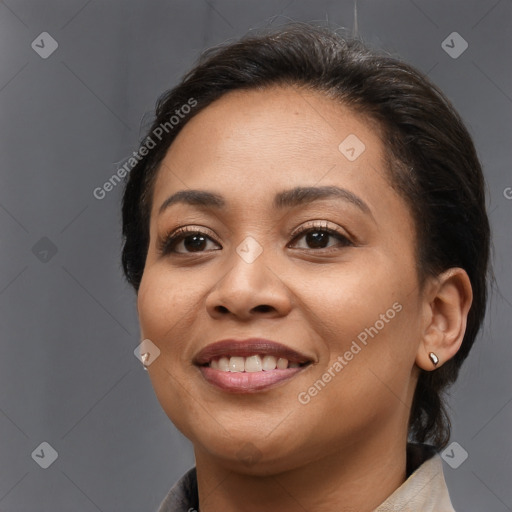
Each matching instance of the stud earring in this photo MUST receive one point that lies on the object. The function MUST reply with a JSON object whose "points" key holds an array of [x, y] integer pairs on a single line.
{"points": [[433, 358]]}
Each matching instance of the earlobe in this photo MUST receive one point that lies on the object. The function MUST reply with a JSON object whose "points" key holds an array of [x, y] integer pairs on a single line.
{"points": [[447, 305], [433, 358]]}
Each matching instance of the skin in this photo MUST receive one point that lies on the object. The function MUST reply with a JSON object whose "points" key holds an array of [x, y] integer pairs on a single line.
{"points": [[345, 449]]}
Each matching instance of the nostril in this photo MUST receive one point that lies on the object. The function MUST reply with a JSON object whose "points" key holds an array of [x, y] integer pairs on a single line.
{"points": [[263, 308]]}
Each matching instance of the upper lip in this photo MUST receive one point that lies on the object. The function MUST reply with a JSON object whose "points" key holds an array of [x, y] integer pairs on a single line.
{"points": [[246, 348]]}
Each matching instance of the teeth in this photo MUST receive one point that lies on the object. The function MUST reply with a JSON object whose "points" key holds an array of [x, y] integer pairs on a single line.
{"points": [[223, 364], [254, 363], [282, 363], [269, 363], [236, 364]]}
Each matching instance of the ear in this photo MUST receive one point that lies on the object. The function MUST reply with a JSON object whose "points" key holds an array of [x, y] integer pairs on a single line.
{"points": [[447, 299]]}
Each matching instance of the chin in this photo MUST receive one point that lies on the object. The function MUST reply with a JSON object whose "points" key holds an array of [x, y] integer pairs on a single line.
{"points": [[251, 452]]}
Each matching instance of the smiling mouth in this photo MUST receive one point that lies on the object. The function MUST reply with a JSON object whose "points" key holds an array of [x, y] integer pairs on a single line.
{"points": [[251, 374], [249, 366], [252, 364]]}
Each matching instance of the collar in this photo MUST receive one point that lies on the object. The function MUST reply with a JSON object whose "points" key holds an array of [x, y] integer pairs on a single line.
{"points": [[424, 489]]}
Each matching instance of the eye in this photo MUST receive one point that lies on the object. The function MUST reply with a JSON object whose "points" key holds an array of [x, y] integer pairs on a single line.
{"points": [[192, 240], [317, 236]]}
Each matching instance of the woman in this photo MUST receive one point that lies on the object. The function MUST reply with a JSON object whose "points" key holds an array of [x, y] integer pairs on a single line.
{"points": [[307, 235]]}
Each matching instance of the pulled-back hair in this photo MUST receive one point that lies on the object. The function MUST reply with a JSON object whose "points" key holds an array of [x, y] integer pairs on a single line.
{"points": [[431, 161]]}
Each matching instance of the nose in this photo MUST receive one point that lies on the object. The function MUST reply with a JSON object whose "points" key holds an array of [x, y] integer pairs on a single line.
{"points": [[249, 289]]}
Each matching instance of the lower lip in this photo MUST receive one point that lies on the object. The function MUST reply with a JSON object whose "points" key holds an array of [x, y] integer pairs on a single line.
{"points": [[247, 382]]}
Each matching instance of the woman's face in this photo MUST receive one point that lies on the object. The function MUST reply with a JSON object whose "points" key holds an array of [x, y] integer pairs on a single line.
{"points": [[344, 297]]}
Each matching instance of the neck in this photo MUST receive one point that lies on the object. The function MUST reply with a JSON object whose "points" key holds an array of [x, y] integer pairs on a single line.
{"points": [[359, 477]]}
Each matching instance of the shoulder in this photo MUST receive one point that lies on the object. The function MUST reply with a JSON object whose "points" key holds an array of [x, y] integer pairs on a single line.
{"points": [[183, 496], [425, 488]]}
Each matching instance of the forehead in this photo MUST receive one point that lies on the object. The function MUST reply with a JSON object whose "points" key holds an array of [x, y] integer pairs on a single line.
{"points": [[270, 139]]}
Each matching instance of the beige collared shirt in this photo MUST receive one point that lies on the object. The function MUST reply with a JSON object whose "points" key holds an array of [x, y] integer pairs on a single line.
{"points": [[424, 490]]}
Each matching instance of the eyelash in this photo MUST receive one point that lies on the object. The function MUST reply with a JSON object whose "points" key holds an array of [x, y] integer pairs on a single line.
{"points": [[167, 244]]}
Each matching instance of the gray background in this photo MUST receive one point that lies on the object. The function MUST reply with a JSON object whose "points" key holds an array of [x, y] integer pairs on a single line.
{"points": [[68, 375]]}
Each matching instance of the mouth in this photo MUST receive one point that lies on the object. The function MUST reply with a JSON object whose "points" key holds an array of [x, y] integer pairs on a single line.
{"points": [[248, 366], [252, 364]]}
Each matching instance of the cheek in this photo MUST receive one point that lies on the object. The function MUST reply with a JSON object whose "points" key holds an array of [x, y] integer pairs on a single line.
{"points": [[370, 318], [166, 312], [351, 299], [163, 304]]}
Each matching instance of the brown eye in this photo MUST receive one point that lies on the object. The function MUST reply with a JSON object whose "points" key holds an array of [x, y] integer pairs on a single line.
{"points": [[317, 237], [192, 241]]}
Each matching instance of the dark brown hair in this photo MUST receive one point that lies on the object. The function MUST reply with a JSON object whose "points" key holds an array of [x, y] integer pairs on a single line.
{"points": [[431, 161]]}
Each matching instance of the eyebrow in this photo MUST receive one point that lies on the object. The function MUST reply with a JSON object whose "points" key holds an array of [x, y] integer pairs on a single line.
{"points": [[294, 197]]}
